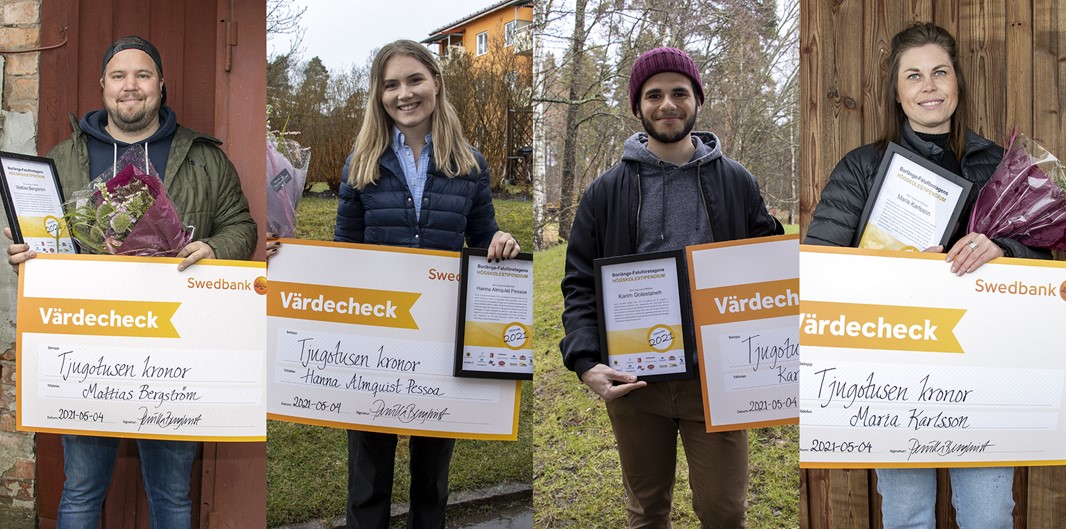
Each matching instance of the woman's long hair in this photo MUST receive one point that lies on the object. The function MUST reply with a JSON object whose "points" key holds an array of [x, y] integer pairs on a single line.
{"points": [[451, 152], [915, 36]]}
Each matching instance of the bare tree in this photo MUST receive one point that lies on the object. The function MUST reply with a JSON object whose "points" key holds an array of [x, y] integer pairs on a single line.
{"points": [[577, 52], [540, 198], [283, 18]]}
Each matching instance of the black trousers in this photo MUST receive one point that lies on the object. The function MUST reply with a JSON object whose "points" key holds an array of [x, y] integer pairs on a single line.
{"points": [[371, 460]]}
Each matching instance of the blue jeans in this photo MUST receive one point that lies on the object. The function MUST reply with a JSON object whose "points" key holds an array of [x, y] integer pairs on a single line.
{"points": [[983, 497], [88, 462]]}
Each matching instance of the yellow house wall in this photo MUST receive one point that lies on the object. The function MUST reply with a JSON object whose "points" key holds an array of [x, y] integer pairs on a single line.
{"points": [[493, 23]]}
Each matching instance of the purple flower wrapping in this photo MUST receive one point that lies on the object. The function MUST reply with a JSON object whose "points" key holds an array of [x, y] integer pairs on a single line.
{"points": [[159, 232], [1025, 198]]}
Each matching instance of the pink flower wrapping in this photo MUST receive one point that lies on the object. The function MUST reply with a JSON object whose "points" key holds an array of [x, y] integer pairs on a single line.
{"points": [[286, 174]]}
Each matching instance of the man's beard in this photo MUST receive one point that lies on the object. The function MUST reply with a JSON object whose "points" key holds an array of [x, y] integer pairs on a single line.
{"points": [[649, 127], [132, 121]]}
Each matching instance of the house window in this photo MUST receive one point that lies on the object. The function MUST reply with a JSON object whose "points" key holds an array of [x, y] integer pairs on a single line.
{"points": [[508, 32], [482, 43]]}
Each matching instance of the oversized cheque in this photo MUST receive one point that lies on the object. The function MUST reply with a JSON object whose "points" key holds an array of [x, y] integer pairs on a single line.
{"points": [[745, 298], [363, 337], [130, 347], [905, 364]]}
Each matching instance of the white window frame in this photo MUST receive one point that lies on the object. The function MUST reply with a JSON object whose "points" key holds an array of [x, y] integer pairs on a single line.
{"points": [[482, 40], [509, 31]]}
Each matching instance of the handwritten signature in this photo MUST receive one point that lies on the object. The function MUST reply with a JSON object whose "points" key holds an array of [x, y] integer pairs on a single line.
{"points": [[406, 413], [944, 448], [166, 419]]}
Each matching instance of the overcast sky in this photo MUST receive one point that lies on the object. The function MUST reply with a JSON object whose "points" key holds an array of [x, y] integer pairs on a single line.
{"points": [[343, 32]]}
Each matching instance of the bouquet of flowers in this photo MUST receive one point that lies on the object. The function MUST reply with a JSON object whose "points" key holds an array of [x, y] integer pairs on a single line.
{"points": [[1025, 198], [287, 165], [128, 214]]}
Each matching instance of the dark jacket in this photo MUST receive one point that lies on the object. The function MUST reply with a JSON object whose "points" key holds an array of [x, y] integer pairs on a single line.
{"points": [[383, 213], [836, 218], [199, 179], [606, 225]]}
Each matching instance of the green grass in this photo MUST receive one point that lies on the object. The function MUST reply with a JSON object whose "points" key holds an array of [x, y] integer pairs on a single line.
{"points": [[307, 466], [516, 218], [316, 216], [577, 478]]}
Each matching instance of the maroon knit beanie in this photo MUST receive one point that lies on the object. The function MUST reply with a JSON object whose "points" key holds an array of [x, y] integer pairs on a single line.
{"points": [[661, 60]]}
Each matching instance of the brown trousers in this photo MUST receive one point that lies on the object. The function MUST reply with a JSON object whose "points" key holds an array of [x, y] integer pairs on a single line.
{"points": [[646, 423]]}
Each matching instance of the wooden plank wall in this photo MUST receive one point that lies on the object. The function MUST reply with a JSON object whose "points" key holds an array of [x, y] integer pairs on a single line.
{"points": [[1014, 58], [184, 33]]}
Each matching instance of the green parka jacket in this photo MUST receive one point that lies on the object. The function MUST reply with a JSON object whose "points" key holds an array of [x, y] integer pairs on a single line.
{"points": [[200, 180]]}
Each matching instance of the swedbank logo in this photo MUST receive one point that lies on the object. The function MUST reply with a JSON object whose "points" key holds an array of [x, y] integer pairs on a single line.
{"points": [[218, 284], [1020, 288]]}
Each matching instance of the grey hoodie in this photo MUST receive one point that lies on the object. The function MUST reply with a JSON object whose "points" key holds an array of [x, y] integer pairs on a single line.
{"points": [[672, 213]]}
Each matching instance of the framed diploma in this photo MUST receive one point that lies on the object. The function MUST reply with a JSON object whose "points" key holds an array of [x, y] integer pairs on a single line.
{"points": [[646, 316], [914, 204], [494, 331], [33, 200]]}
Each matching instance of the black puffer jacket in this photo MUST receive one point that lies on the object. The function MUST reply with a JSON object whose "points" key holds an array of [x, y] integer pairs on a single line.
{"points": [[383, 213], [836, 218], [606, 225]]}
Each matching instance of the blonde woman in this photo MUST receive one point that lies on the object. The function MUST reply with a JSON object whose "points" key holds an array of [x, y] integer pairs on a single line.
{"points": [[411, 180]]}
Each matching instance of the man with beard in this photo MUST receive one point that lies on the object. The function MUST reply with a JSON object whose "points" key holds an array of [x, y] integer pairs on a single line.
{"points": [[206, 190], [673, 188]]}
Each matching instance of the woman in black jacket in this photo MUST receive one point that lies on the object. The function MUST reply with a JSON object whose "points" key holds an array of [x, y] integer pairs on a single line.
{"points": [[927, 112], [412, 180]]}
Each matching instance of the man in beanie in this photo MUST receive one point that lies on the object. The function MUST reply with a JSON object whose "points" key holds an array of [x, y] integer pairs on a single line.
{"points": [[206, 190], [673, 188]]}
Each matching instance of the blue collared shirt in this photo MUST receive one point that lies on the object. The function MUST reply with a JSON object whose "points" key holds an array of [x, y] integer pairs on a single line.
{"points": [[415, 174]]}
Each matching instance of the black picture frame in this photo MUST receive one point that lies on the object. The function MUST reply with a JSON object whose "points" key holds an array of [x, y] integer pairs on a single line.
{"points": [[684, 301], [11, 208], [891, 152], [491, 372]]}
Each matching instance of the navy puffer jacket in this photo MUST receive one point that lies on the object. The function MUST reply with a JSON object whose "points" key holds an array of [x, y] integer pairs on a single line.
{"points": [[452, 208]]}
